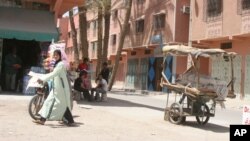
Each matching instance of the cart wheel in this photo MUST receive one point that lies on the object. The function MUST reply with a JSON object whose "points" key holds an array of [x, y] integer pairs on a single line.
{"points": [[183, 120], [175, 113], [203, 115]]}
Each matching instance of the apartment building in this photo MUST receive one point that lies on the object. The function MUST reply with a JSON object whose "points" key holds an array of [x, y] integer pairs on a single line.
{"points": [[224, 24], [152, 24]]}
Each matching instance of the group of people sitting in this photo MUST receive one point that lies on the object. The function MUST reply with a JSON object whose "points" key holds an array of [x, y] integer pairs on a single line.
{"points": [[83, 85]]}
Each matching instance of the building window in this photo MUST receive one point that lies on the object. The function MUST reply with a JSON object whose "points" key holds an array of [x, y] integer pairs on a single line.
{"points": [[147, 51], [94, 23], [140, 1], [214, 8], [133, 53], [159, 21], [245, 4], [129, 28], [88, 25], [243, 7], [93, 46], [227, 45], [113, 39], [69, 34], [139, 26], [114, 14]]}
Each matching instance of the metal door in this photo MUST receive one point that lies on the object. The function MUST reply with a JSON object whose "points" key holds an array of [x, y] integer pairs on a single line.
{"points": [[247, 76], [222, 69], [131, 77], [144, 73]]}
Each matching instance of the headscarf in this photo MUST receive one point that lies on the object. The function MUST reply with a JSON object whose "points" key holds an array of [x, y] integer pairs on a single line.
{"points": [[61, 47], [60, 55]]}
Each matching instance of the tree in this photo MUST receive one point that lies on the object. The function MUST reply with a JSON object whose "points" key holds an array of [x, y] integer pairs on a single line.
{"points": [[83, 31], [74, 37], [99, 48], [107, 14], [104, 9], [124, 29]]}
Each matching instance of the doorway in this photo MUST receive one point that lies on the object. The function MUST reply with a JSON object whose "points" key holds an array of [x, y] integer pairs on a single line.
{"points": [[28, 51], [154, 73]]}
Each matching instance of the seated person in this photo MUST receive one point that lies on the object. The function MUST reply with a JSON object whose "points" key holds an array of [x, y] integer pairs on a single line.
{"points": [[101, 87], [83, 84]]}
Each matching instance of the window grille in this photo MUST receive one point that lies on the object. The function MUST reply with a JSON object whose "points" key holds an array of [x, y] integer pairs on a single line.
{"points": [[243, 7], [159, 21], [213, 10]]}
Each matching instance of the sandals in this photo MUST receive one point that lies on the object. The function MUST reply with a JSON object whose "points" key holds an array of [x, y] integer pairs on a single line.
{"points": [[39, 122]]}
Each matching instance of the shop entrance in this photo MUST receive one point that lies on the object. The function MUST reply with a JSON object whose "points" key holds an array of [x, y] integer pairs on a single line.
{"points": [[28, 51]]}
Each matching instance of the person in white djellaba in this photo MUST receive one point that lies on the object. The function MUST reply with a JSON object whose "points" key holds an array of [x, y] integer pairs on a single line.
{"points": [[57, 106]]}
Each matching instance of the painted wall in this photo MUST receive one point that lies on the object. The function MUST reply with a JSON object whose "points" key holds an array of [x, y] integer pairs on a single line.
{"points": [[231, 23]]}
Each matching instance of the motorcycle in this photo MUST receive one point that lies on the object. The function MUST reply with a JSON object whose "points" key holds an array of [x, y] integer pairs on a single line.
{"points": [[37, 101], [40, 96]]}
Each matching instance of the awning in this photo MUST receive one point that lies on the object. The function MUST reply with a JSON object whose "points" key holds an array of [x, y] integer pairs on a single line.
{"points": [[24, 24]]}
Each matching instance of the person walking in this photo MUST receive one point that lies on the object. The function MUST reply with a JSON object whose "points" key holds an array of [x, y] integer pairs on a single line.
{"points": [[57, 105], [12, 65]]}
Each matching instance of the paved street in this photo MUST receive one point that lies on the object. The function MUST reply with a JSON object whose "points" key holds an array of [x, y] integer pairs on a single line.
{"points": [[123, 117]]}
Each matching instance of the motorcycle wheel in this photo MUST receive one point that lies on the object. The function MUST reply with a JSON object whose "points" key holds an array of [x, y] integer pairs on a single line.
{"points": [[35, 105]]}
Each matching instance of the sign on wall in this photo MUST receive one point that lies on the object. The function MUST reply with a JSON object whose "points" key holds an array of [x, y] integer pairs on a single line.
{"points": [[246, 115]]}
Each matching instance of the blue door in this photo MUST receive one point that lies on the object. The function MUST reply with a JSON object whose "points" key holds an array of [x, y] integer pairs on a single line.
{"points": [[151, 74]]}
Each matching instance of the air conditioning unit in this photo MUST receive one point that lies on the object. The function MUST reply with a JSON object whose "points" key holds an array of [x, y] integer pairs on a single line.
{"points": [[186, 9]]}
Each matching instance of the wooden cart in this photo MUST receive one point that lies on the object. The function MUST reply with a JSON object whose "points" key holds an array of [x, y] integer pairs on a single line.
{"points": [[196, 94]]}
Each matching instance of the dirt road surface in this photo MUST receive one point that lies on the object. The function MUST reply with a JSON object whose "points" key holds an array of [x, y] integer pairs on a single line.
{"points": [[115, 120]]}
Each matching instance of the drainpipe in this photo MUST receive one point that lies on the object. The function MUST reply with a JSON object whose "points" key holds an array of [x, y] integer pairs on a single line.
{"points": [[190, 33]]}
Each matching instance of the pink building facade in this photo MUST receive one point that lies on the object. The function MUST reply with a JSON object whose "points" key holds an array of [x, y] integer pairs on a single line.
{"points": [[224, 24], [152, 25]]}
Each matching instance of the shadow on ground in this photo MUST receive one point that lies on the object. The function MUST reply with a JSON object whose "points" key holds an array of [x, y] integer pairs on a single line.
{"points": [[112, 102], [209, 126], [76, 124]]}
